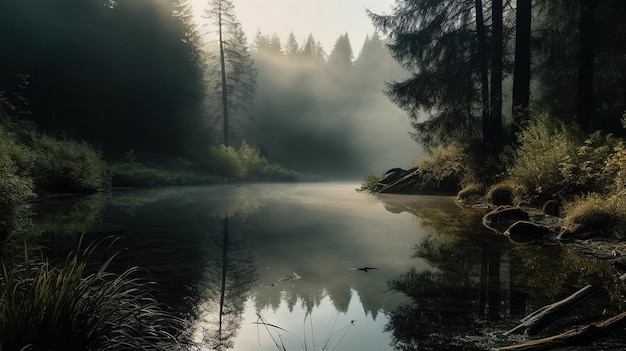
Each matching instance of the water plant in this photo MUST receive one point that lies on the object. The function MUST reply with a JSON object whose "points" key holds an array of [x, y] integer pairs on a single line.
{"points": [[79, 306]]}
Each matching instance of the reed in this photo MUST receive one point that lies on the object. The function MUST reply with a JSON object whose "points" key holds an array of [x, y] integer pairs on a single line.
{"points": [[80, 307]]}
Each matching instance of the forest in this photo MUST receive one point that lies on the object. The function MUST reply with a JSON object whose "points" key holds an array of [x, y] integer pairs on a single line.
{"points": [[508, 102]]}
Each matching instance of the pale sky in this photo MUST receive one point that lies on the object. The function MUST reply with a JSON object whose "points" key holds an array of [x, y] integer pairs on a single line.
{"points": [[325, 19]]}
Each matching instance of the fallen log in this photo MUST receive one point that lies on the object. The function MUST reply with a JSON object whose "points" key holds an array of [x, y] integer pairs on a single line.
{"points": [[409, 179], [539, 319], [576, 337]]}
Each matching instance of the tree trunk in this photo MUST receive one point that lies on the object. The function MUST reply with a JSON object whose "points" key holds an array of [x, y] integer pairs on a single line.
{"points": [[223, 69], [585, 65], [496, 71], [576, 337], [484, 72], [521, 71], [539, 319]]}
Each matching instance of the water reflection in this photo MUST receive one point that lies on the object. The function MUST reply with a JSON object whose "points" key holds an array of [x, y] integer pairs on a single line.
{"points": [[482, 284], [266, 267]]}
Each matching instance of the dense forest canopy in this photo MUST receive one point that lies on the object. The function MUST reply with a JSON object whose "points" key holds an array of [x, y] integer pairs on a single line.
{"points": [[463, 56], [145, 75]]}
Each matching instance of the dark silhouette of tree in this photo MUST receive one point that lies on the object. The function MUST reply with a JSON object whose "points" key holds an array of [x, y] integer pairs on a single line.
{"points": [[341, 56], [435, 42], [122, 74], [521, 73], [497, 58], [237, 76], [586, 38], [291, 47], [484, 72]]}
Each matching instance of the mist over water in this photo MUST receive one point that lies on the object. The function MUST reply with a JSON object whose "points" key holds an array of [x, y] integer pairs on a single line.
{"points": [[329, 118]]}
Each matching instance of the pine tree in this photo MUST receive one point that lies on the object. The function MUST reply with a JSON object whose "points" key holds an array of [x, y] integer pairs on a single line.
{"points": [[237, 75]]}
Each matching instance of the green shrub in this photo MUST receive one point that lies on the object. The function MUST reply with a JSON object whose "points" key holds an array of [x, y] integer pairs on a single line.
{"points": [[589, 170], [65, 165], [135, 174], [247, 163], [43, 307], [225, 161], [16, 187], [544, 144], [447, 165]]}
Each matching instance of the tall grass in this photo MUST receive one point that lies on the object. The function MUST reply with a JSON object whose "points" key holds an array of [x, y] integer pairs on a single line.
{"points": [[80, 307]]}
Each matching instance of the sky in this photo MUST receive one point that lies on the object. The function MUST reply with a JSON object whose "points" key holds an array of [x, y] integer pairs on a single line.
{"points": [[325, 19]]}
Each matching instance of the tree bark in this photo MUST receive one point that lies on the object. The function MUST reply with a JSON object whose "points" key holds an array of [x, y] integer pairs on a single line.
{"points": [[224, 86], [586, 55], [539, 319], [580, 336], [496, 71], [521, 71], [484, 72]]}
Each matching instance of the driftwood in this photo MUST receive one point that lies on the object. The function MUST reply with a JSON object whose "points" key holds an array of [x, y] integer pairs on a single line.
{"points": [[539, 319], [397, 186], [580, 336]]}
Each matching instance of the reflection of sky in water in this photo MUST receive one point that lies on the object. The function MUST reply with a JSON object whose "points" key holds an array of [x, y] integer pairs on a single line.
{"points": [[324, 327], [320, 232]]}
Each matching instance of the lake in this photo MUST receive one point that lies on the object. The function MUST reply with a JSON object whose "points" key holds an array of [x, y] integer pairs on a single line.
{"points": [[276, 266]]}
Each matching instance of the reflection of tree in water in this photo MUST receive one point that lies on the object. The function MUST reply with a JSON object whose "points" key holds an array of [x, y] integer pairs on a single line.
{"points": [[224, 291], [459, 295]]}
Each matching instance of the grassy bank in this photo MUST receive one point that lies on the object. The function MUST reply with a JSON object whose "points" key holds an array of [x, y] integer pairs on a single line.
{"points": [[78, 306], [582, 178]]}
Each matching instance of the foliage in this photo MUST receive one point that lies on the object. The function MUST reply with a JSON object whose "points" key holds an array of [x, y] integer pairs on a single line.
{"points": [[136, 174], [606, 213], [125, 68], [65, 165], [78, 307], [445, 165], [544, 144], [16, 187], [247, 163], [594, 167]]}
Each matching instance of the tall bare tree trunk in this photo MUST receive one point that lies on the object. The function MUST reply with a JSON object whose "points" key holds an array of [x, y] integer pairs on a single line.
{"points": [[585, 64], [224, 87], [521, 71], [484, 72], [496, 71]]}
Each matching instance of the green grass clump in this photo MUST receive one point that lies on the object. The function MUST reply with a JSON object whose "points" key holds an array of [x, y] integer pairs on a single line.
{"points": [[43, 307], [470, 193], [501, 193], [597, 212]]}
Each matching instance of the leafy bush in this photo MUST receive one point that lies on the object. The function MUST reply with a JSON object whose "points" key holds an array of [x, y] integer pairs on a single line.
{"points": [[589, 170], [135, 174], [68, 308], [65, 165], [447, 165], [16, 187], [544, 144], [247, 163]]}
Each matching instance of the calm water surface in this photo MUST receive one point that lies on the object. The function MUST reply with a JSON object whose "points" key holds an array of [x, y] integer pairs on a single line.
{"points": [[273, 267]]}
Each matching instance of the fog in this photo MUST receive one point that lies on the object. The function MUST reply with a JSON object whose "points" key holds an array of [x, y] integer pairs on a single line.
{"points": [[327, 116]]}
